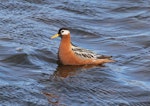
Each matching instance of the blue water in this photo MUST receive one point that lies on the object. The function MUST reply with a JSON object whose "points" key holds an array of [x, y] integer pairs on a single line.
{"points": [[30, 75]]}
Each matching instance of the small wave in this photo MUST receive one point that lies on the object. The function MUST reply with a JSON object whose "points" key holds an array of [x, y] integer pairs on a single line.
{"points": [[18, 59]]}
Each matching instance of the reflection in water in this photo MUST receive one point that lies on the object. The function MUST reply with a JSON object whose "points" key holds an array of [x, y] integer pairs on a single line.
{"points": [[63, 71], [52, 98]]}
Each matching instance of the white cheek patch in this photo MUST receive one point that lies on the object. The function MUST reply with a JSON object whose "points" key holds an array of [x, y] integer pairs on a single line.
{"points": [[66, 32]]}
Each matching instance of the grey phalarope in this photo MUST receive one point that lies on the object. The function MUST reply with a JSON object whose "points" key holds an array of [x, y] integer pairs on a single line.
{"points": [[69, 54]]}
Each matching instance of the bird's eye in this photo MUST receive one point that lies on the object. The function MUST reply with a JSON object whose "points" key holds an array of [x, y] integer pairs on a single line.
{"points": [[62, 31]]}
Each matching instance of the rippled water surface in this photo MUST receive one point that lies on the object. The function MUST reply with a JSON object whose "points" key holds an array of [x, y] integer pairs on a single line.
{"points": [[30, 75]]}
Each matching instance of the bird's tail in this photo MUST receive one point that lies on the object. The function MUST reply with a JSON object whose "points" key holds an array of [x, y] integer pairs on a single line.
{"points": [[104, 57]]}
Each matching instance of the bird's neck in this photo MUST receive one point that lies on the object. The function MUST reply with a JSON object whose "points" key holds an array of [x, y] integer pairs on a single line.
{"points": [[66, 42]]}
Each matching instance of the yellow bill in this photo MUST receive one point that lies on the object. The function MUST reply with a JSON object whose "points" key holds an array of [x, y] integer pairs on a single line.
{"points": [[55, 36]]}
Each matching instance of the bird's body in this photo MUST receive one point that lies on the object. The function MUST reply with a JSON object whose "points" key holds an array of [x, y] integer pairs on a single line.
{"points": [[72, 55]]}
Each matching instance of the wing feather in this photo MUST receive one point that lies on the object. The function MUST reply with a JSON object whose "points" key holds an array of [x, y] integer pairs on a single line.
{"points": [[84, 53], [87, 54]]}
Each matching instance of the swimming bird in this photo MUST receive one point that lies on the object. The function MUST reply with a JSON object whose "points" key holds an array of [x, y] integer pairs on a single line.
{"points": [[69, 54]]}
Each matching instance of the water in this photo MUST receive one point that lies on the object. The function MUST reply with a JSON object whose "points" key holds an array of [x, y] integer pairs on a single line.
{"points": [[30, 75]]}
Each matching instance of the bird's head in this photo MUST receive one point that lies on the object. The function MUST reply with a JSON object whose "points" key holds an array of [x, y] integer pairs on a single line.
{"points": [[61, 33]]}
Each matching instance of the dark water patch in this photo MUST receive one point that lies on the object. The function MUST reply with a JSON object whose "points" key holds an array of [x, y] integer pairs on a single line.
{"points": [[72, 9], [18, 59], [130, 9], [5, 51], [37, 1], [33, 60], [140, 40], [143, 16], [49, 21], [43, 56]]}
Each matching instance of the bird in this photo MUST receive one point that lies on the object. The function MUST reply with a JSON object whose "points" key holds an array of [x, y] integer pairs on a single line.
{"points": [[69, 54]]}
